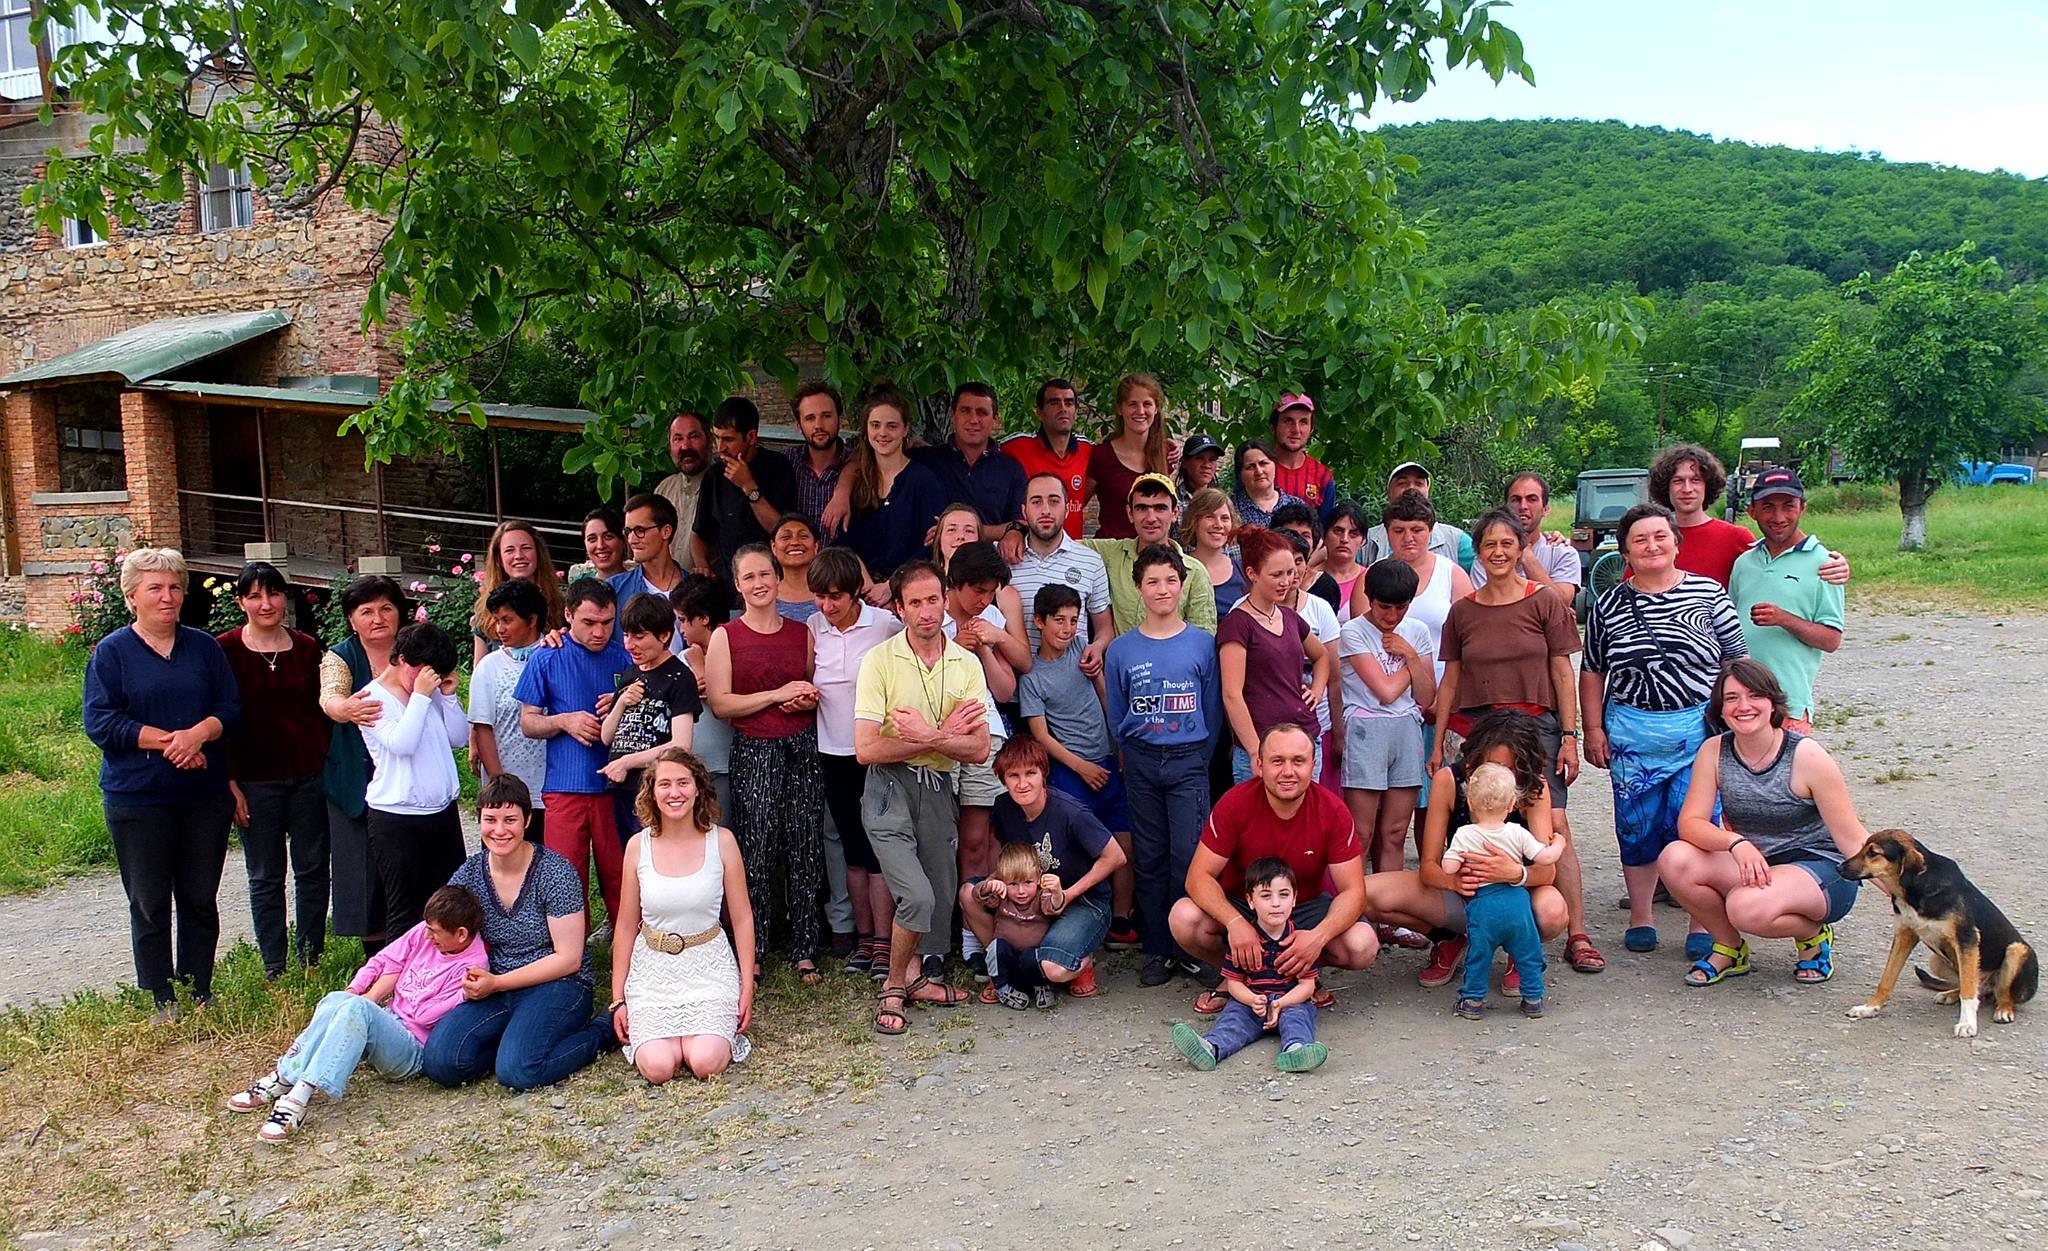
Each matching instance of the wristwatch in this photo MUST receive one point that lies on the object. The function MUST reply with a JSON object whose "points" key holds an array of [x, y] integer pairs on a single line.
{"points": [[753, 497]]}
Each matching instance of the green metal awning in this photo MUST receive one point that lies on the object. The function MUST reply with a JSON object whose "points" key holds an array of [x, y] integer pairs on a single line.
{"points": [[150, 351]]}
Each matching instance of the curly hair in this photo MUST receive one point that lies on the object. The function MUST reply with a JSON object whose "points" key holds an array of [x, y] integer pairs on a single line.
{"points": [[1709, 465], [1516, 731], [705, 812]]}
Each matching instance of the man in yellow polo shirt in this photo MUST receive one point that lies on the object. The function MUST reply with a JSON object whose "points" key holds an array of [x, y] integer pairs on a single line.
{"points": [[918, 712], [1154, 507]]}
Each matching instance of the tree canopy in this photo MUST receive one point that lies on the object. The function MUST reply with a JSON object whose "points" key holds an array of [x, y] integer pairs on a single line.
{"points": [[987, 189], [1930, 380]]}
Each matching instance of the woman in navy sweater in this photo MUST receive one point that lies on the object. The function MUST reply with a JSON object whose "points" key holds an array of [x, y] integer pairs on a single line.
{"points": [[158, 698]]}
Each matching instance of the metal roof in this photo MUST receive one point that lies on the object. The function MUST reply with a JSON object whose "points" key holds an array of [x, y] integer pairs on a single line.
{"points": [[150, 351]]}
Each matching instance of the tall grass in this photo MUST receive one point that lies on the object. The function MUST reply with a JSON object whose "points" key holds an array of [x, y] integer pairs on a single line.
{"points": [[1987, 547], [51, 826]]}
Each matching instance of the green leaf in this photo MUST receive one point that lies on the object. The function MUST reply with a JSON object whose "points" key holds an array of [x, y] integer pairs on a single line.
{"points": [[1098, 282], [524, 41], [728, 113]]}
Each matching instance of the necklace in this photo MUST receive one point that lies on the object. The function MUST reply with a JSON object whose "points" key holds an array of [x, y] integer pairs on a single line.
{"points": [[269, 658], [1272, 615]]}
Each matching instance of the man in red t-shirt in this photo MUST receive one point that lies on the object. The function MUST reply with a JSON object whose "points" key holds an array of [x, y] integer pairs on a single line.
{"points": [[1054, 448], [1295, 472], [1686, 478], [1279, 813]]}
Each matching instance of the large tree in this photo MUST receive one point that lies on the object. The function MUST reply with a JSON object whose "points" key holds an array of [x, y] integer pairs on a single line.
{"points": [[1930, 380], [941, 191]]}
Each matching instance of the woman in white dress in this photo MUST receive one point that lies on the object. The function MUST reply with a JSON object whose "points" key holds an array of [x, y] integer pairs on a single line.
{"points": [[680, 997]]}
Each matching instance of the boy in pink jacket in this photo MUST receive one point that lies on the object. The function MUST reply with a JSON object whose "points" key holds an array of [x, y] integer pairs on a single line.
{"points": [[420, 976]]}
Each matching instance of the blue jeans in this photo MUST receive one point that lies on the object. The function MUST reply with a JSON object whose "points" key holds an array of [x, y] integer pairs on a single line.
{"points": [[533, 1036], [1238, 1027], [345, 1031], [1014, 967], [1168, 792], [1500, 916], [1075, 932]]}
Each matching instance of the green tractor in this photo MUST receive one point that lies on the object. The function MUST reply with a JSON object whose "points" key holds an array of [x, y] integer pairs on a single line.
{"points": [[1603, 496]]}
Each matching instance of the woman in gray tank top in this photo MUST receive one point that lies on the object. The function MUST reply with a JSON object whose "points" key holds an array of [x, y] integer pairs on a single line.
{"points": [[1771, 866]]}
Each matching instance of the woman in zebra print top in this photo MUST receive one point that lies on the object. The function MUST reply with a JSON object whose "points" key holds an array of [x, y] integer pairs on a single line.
{"points": [[1654, 645]]}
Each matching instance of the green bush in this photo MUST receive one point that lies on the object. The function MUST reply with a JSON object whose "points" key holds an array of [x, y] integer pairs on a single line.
{"points": [[97, 607], [1853, 497]]}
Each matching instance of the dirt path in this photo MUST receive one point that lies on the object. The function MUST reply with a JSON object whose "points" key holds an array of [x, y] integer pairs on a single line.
{"points": [[1637, 1114]]}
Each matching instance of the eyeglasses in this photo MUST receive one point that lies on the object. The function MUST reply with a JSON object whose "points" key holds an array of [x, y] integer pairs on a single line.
{"points": [[634, 532]]}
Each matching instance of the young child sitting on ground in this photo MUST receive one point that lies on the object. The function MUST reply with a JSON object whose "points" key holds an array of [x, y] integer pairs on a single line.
{"points": [[420, 974], [1262, 998], [1499, 916], [1025, 899]]}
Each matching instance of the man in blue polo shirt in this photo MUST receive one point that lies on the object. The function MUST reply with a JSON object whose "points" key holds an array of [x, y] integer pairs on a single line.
{"points": [[563, 697], [972, 469], [1791, 618]]}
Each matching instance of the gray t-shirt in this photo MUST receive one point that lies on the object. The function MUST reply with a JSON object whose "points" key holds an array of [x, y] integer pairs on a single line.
{"points": [[1058, 691], [491, 704]]}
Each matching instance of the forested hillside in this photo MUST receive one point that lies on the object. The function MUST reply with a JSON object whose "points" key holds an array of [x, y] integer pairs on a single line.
{"points": [[1741, 249]]}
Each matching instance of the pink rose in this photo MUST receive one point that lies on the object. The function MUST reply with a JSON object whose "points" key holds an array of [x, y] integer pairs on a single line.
{"points": [[433, 547], [420, 613], [99, 566], [467, 557]]}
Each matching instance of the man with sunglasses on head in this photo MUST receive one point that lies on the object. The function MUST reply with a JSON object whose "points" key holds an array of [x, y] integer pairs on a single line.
{"points": [[1154, 508]]}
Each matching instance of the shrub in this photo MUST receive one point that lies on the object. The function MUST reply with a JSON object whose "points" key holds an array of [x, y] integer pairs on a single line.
{"points": [[1853, 497], [97, 608]]}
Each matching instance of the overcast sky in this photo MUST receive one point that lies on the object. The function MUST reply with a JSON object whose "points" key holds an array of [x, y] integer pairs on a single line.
{"points": [[1955, 84]]}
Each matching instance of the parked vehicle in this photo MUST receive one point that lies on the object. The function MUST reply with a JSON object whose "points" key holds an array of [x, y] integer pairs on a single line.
{"points": [[1603, 496], [1992, 473], [1758, 454]]}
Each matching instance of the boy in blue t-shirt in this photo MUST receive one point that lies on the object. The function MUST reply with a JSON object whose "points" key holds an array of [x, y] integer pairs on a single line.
{"points": [[1160, 685]]}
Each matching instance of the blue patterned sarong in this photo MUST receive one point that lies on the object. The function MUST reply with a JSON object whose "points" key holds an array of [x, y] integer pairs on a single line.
{"points": [[1650, 763]]}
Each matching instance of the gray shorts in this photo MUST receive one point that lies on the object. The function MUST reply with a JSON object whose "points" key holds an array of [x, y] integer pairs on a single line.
{"points": [[1382, 753], [913, 823], [978, 785]]}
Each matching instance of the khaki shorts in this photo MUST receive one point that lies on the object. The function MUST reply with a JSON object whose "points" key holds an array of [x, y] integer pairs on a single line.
{"points": [[979, 786]]}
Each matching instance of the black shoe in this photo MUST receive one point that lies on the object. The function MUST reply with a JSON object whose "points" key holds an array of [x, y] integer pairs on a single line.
{"points": [[977, 964], [1195, 969], [1158, 971], [842, 944], [1123, 936], [934, 967]]}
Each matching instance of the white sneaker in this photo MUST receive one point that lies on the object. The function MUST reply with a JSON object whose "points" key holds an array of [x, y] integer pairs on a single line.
{"points": [[262, 1092], [283, 1121]]}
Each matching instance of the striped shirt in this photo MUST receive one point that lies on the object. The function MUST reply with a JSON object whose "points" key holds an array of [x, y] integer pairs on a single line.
{"points": [[1661, 653], [1073, 563], [1267, 979]]}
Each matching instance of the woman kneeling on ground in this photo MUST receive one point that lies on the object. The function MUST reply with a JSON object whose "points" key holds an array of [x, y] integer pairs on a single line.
{"points": [[1427, 897], [528, 1018], [680, 998], [1772, 866]]}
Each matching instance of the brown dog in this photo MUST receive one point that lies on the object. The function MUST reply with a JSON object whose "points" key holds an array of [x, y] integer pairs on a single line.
{"points": [[1933, 903]]}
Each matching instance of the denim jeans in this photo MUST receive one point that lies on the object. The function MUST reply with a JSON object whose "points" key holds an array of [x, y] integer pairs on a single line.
{"points": [[1014, 967], [533, 1036], [1075, 932], [171, 857], [1238, 1027], [345, 1031], [1500, 916], [1168, 792], [289, 813]]}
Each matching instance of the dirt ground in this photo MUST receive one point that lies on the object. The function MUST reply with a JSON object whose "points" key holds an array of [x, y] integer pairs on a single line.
{"points": [[1637, 1114]]}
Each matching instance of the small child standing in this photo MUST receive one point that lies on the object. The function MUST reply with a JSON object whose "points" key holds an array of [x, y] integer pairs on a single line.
{"points": [[1262, 998], [1025, 899], [1062, 707], [420, 974], [1499, 916]]}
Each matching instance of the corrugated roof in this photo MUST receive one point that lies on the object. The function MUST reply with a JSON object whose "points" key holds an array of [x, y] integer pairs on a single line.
{"points": [[150, 351]]}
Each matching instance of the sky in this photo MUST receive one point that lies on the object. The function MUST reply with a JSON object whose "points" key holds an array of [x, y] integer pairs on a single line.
{"points": [[1962, 84]]}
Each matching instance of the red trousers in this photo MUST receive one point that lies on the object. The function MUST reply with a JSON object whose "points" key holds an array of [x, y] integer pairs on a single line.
{"points": [[582, 828]]}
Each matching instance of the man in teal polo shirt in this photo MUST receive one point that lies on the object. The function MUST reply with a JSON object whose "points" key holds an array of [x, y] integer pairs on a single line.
{"points": [[1790, 617]]}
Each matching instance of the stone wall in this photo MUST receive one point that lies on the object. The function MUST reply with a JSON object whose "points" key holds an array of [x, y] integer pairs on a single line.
{"points": [[89, 533]]}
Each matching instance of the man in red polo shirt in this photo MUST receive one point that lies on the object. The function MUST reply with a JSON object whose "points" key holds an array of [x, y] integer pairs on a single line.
{"points": [[1295, 472], [1054, 448], [1279, 813]]}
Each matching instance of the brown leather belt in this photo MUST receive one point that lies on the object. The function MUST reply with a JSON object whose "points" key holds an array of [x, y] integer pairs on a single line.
{"points": [[676, 944]]}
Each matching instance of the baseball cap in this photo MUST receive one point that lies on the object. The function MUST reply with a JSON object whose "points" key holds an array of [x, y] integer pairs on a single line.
{"points": [[1290, 399], [1159, 480], [1200, 445], [1405, 466], [1778, 482]]}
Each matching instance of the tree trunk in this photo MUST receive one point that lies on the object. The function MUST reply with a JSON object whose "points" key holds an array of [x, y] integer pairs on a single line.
{"points": [[1913, 507]]}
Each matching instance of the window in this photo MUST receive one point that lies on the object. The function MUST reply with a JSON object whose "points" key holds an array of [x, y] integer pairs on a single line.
{"points": [[78, 233], [227, 201], [91, 458], [18, 50]]}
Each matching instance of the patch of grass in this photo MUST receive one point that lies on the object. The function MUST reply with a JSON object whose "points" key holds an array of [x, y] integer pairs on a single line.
{"points": [[1987, 547], [1897, 773], [51, 825]]}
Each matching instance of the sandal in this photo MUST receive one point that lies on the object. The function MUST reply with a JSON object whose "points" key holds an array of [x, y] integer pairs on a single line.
{"points": [[1011, 997], [1210, 1002], [1400, 936], [1324, 999], [807, 973], [897, 1014], [1703, 972], [952, 994], [262, 1092], [987, 997], [1580, 953], [1820, 966]]}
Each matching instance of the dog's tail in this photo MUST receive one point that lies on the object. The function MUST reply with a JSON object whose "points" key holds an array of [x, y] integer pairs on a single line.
{"points": [[1930, 981]]}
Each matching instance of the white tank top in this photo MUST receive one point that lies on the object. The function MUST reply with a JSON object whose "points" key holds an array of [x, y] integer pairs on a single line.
{"points": [[1432, 604]]}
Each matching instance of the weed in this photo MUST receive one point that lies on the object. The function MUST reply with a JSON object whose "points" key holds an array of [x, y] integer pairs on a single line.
{"points": [[1897, 773]]}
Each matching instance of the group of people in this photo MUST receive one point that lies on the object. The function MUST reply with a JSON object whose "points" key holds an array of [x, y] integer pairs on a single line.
{"points": [[813, 702]]}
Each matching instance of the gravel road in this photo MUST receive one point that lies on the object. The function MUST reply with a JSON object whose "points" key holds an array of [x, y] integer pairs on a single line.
{"points": [[1638, 1114]]}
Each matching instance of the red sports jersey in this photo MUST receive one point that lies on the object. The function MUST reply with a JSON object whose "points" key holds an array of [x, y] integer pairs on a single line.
{"points": [[1036, 455]]}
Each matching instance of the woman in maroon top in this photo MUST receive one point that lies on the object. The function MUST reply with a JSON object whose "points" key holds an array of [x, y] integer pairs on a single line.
{"points": [[1262, 649], [758, 671], [275, 760], [1509, 645], [1137, 446]]}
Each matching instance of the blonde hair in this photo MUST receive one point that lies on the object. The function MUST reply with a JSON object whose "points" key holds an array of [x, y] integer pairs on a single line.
{"points": [[1155, 442], [1204, 502], [1492, 788], [494, 576], [704, 812], [149, 560], [1018, 862]]}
